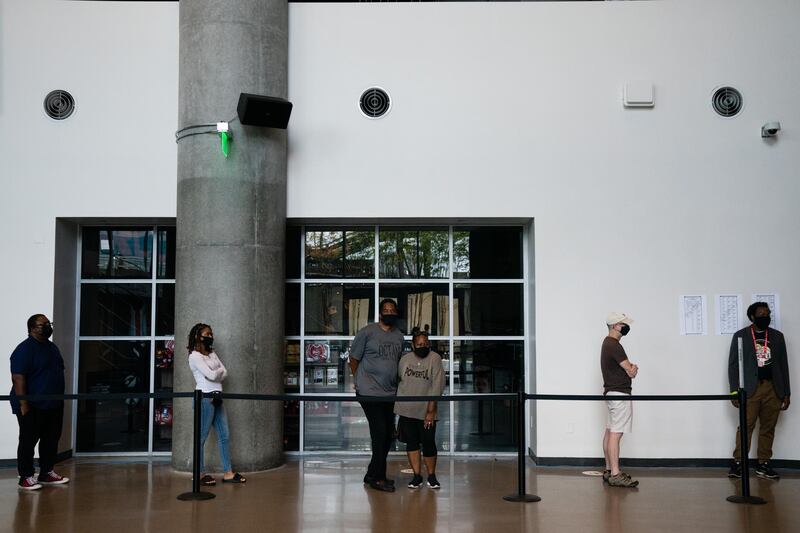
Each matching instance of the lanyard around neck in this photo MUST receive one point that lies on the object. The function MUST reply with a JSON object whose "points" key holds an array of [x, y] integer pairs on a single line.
{"points": [[766, 338]]}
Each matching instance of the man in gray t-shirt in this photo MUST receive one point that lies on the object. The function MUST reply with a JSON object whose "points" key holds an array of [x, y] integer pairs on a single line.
{"points": [[377, 351], [374, 355]]}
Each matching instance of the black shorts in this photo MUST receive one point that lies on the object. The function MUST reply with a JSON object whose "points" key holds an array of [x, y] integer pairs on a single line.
{"points": [[412, 431]]}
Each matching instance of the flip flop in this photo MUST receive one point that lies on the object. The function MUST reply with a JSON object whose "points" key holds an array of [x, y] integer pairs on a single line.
{"points": [[237, 478], [208, 481]]}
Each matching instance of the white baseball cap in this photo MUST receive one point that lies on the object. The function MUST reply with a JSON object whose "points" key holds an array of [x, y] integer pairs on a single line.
{"points": [[616, 318]]}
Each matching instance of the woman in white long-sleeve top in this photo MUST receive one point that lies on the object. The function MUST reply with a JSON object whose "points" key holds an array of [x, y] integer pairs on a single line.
{"points": [[209, 373]]}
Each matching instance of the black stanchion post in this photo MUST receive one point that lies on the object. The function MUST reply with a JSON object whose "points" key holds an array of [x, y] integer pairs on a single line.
{"points": [[744, 441], [521, 496], [196, 494]]}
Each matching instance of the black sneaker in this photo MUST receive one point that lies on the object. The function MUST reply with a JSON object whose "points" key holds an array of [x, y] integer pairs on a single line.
{"points": [[764, 470], [736, 470], [433, 482], [382, 485], [369, 479], [416, 482]]}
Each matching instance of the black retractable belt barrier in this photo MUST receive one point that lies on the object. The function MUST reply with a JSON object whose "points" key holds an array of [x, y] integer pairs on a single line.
{"points": [[196, 494], [521, 496], [744, 448]]}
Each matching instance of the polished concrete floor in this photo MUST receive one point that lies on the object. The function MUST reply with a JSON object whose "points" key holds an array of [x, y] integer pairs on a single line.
{"points": [[320, 494]]}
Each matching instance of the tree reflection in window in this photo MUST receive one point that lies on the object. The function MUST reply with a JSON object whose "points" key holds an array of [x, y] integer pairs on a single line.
{"points": [[414, 253], [340, 254]]}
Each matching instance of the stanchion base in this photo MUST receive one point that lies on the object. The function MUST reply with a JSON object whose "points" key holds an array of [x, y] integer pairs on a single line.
{"points": [[522, 498], [190, 496], [754, 500]]}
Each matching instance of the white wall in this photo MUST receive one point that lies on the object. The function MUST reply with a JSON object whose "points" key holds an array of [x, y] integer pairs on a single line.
{"points": [[500, 110], [514, 109], [115, 157]]}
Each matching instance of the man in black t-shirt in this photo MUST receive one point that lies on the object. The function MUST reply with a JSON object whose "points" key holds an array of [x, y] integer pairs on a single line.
{"points": [[766, 381]]}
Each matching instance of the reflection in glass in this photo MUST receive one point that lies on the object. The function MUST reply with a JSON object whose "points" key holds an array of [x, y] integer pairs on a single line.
{"points": [[486, 367], [293, 246], [115, 309], [165, 309], [487, 252], [291, 385], [166, 253], [338, 309], [292, 309], [335, 426], [341, 253], [116, 253], [162, 407], [424, 306], [326, 366], [414, 253], [112, 367], [485, 426], [488, 309]]}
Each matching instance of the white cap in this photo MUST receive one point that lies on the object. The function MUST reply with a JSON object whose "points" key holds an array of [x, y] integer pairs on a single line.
{"points": [[618, 318]]}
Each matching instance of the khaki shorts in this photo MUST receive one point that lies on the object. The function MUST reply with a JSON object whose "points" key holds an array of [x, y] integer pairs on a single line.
{"points": [[620, 414]]}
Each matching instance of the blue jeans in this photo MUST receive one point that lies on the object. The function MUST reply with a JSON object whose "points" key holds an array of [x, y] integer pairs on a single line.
{"points": [[211, 415]]}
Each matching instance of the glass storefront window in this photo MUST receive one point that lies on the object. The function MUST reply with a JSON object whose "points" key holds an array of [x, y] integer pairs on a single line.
{"points": [[414, 253], [123, 340], [326, 367], [291, 385], [487, 253], [116, 253], [111, 367], [340, 254], [486, 367], [482, 296], [488, 309], [424, 306], [114, 309], [292, 309], [162, 409], [166, 253], [165, 309], [337, 308]]}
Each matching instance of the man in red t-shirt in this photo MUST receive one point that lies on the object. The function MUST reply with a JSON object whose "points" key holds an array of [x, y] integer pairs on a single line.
{"points": [[618, 372]]}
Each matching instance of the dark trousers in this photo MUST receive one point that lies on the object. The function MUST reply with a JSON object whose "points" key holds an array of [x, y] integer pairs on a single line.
{"points": [[415, 433], [764, 406], [380, 416], [42, 426]]}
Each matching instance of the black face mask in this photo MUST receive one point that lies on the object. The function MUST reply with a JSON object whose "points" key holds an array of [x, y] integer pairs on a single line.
{"points": [[422, 351], [624, 330], [208, 342], [761, 322], [47, 330], [389, 320]]}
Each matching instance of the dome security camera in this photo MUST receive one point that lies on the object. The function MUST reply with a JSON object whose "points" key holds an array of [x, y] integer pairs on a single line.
{"points": [[770, 129]]}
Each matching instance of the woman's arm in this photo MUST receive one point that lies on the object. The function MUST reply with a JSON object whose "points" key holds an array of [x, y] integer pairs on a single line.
{"points": [[199, 363]]}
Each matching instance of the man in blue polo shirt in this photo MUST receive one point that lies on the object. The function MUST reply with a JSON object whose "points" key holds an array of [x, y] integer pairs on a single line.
{"points": [[38, 368]]}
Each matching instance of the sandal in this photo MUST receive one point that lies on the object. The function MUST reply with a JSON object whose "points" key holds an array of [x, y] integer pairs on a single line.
{"points": [[208, 481], [237, 478]]}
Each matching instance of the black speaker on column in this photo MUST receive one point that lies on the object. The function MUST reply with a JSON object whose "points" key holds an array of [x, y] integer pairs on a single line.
{"points": [[265, 111]]}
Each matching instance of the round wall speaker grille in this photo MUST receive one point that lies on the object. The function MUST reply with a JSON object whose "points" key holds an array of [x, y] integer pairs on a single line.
{"points": [[59, 104], [727, 101], [374, 102]]}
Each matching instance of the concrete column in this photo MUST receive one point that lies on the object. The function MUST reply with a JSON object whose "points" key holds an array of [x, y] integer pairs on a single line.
{"points": [[230, 222]]}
